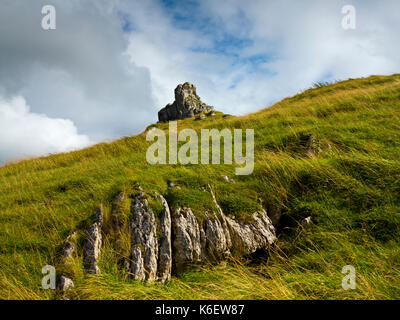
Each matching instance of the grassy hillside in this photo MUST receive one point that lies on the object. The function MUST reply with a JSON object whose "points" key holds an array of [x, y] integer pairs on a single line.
{"points": [[350, 188]]}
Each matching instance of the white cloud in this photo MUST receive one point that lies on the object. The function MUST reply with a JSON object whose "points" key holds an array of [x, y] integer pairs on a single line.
{"points": [[78, 71], [302, 42], [25, 134]]}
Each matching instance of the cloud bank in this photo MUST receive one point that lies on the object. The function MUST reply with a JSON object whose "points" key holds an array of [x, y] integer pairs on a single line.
{"points": [[24, 134], [245, 55]]}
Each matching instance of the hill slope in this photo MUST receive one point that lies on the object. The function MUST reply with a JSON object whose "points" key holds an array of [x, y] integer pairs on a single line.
{"points": [[350, 188]]}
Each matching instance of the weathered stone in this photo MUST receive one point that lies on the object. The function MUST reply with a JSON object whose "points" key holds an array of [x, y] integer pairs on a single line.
{"points": [[144, 240], [64, 284], [99, 216], [248, 238], [305, 223], [227, 179], [165, 249], [92, 245], [91, 249], [187, 241], [137, 264], [223, 221], [216, 244], [68, 248], [187, 104]]}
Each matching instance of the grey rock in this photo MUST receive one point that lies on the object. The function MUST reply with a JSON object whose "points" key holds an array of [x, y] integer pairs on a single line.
{"points": [[216, 245], [248, 238], [165, 249], [305, 223], [137, 264], [91, 249], [93, 243], [99, 216], [187, 104], [183, 240], [223, 220], [227, 179], [144, 240], [187, 242], [64, 284], [68, 248]]}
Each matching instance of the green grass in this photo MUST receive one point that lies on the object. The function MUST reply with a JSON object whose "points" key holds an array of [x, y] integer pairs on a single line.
{"points": [[350, 188]]}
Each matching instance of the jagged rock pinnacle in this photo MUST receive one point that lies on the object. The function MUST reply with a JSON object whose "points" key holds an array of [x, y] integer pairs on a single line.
{"points": [[186, 105]]}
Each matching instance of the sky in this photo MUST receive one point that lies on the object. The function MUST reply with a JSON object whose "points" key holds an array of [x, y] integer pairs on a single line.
{"points": [[110, 65]]}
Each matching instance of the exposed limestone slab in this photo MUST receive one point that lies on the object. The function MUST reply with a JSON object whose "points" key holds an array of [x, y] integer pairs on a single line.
{"points": [[187, 242], [137, 265], [179, 240], [165, 248], [224, 224], [92, 245], [247, 238], [144, 240], [216, 243]]}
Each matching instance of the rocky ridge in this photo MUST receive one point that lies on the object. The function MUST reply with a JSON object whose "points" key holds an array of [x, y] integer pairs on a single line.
{"points": [[173, 241]]}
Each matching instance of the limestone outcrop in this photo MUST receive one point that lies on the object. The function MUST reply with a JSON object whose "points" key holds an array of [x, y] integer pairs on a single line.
{"points": [[187, 238], [165, 249], [170, 241], [144, 254], [187, 104], [217, 236], [247, 238], [92, 246]]}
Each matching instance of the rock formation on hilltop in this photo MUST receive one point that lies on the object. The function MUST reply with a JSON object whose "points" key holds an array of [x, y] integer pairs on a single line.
{"points": [[186, 105]]}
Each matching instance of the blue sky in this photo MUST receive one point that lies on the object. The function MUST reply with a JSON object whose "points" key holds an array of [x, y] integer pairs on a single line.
{"points": [[189, 15], [110, 65]]}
